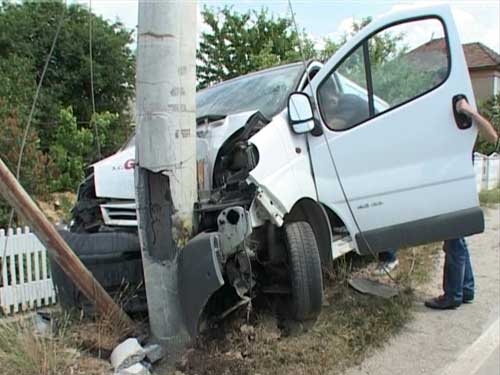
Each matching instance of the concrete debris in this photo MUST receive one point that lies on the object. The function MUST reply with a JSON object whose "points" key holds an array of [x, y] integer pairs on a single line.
{"points": [[127, 354], [154, 352], [137, 369]]}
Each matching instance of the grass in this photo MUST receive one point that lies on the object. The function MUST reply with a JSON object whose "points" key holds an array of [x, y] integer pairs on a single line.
{"points": [[350, 327], [74, 344], [100, 334], [24, 351], [489, 196]]}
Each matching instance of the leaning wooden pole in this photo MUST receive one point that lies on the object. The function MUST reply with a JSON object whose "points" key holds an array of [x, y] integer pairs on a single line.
{"points": [[16, 196]]}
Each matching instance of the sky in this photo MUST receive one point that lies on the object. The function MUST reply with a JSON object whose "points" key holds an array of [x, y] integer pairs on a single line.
{"points": [[477, 21]]}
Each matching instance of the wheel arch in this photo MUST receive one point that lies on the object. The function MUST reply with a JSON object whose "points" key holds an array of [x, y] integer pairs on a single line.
{"points": [[306, 209]]}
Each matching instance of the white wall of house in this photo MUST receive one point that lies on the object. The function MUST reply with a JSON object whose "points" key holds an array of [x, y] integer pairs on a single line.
{"points": [[487, 169], [485, 83]]}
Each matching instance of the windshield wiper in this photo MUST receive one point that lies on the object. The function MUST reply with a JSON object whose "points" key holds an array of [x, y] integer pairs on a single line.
{"points": [[209, 118]]}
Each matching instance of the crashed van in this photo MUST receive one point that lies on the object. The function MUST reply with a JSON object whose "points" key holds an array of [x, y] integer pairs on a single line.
{"points": [[300, 164]]}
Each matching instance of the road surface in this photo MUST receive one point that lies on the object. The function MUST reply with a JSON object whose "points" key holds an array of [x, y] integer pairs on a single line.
{"points": [[459, 342]]}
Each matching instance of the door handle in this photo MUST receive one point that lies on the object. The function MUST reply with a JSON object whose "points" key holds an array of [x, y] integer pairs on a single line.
{"points": [[462, 120]]}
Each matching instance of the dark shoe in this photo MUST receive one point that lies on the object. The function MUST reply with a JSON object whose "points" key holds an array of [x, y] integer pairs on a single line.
{"points": [[468, 298], [442, 303]]}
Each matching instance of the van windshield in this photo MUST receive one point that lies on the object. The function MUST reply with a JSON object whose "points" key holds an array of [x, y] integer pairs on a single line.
{"points": [[265, 91]]}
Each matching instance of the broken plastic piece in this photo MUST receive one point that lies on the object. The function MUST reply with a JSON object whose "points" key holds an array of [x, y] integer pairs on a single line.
{"points": [[375, 288]]}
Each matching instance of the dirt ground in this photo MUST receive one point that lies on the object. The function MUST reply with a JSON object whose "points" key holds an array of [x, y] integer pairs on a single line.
{"points": [[350, 326]]}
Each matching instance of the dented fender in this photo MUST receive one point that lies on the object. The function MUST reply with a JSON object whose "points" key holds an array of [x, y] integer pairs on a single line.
{"points": [[199, 275], [283, 174]]}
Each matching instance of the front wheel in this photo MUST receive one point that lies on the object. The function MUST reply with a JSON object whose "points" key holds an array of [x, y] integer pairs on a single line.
{"points": [[305, 271]]}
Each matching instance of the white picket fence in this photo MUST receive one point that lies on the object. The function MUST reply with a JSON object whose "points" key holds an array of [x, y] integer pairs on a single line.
{"points": [[26, 281], [487, 170]]}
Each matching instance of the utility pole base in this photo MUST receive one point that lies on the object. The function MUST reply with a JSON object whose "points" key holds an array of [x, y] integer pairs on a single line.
{"points": [[165, 317]]}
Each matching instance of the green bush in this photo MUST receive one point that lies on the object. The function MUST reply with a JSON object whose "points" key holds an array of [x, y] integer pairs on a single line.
{"points": [[490, 109], [75, 147]]}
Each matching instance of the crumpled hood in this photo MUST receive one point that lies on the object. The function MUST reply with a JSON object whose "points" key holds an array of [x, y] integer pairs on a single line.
{"points": [[114, 175]]}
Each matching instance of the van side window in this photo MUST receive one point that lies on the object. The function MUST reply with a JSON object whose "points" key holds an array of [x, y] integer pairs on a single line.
{"points": [[395, 65], [415, 64], [346, 103]]}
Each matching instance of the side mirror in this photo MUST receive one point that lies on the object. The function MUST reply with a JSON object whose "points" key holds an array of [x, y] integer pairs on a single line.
{"points": [[300, 113]]}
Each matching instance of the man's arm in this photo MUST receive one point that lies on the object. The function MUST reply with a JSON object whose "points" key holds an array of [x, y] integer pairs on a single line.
{"points": [[484, 126]]}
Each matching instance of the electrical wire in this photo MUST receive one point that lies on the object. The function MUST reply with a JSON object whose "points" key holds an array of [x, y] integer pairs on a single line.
{"points": [[28, 125], [348, 203], [92, 92]]}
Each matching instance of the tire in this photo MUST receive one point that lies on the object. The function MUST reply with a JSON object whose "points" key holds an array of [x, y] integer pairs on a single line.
{"points": [[114, 259], [305, 271]]}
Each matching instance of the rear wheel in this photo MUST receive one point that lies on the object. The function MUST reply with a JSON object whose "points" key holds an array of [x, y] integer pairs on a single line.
{"points": [[305, 271]]}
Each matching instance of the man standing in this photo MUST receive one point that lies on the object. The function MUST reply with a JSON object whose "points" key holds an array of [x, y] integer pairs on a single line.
{"points": [[458, 278]]}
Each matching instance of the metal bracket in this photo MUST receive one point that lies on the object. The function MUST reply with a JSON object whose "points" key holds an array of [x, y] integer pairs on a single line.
{"points": [[273, 212], [234, 226]]}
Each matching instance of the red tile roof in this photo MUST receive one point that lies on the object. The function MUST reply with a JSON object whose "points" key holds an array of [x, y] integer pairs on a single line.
{"points": [[476, 54]]}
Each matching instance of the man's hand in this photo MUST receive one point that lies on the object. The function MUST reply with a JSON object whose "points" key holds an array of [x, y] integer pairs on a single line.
{"points": [[464, 107], [485, 128]]}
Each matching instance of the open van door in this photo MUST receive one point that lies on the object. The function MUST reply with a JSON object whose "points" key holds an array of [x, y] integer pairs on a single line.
{"points": [[391, 137]]}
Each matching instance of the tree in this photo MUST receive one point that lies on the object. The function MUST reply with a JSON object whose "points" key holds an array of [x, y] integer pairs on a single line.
{"points": [[329, 49], [73, 148], [16, 90], [27, 30], [490, 109], [240, 43], [57, 146], [383, 46]]}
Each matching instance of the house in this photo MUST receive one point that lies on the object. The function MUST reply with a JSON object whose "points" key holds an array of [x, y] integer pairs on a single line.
{"points": [[483, 63], [484, 69]]}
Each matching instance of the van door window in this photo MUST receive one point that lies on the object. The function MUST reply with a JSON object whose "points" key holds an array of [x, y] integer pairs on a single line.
{"points": [[343, 97], [408, 60], [391, 67]]}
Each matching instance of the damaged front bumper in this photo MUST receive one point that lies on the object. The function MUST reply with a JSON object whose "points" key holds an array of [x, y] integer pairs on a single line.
{"points": [[223, 257], [200, 275]]}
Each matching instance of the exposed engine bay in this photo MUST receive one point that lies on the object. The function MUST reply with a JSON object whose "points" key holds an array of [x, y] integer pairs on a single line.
{"points": [[235, 159]]}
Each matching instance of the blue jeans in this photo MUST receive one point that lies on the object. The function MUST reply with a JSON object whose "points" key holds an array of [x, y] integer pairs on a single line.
{"points": [[387, 256], [458, 279]]}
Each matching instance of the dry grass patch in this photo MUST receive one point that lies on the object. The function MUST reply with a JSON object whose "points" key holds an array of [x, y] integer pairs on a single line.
{"points": [[489, 197], [349, 327], [24, 351], [70, 346], [98, 336]]}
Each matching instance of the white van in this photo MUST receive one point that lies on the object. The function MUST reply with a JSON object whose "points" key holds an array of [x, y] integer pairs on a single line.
{"points": [[298, 166]]}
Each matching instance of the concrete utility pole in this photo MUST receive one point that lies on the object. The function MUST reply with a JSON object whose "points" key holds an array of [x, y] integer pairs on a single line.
{"points": [[165, 176], [58, 249]]}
